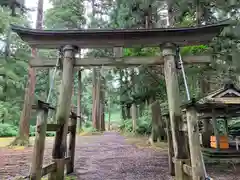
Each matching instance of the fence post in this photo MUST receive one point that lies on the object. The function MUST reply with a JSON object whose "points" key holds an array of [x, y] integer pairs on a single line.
{"points": [[39, 145], [194, 144], [72, 142], [170, 146]]}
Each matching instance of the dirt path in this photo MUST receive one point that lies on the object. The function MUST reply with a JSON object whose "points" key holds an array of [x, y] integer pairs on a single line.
{"points": [[106, 157]]}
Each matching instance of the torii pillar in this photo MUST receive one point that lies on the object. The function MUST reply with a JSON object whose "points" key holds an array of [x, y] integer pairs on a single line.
{"points": [[180, 143], [63, 110]]}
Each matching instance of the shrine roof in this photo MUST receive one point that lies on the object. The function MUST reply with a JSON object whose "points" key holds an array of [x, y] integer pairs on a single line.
{"points": [[103, 38], [228, 94], [224, 100]]}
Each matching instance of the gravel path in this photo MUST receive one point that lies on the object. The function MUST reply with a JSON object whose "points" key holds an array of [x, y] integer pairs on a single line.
{"points": [[106, 157], [110, 158]]}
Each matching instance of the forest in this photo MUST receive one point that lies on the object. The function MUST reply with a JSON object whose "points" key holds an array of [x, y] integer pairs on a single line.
{"points": [[109, 94]]}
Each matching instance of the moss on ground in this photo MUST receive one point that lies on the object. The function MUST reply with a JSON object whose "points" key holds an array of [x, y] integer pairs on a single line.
{"points": [[143, 142], [90, 133]]}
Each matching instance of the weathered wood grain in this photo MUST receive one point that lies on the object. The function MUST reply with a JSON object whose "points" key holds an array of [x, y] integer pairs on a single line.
{"points": [[104, 38], [194, 144], [117, 61], [39, 145]]}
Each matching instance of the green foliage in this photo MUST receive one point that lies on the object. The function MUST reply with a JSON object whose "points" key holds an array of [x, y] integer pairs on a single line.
{"points": [[195, 50], [234, 127], [87, 124], [143, 124], [13, 68], [70, 178], [8, 130], [9, 112], [141, 51], [126, 125], [126, 83], [65, 15], [32, 131], [88, 128]]}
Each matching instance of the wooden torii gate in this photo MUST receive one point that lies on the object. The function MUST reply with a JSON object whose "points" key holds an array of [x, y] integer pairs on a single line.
{"points": [[70, 40]]}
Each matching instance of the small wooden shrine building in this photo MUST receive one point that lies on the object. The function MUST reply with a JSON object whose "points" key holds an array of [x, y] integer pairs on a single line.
{"points": [[223, 104]]}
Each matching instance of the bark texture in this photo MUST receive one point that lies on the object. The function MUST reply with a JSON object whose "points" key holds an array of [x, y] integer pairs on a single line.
{"points": [[158, 132], [79, 120], [23, 136]]}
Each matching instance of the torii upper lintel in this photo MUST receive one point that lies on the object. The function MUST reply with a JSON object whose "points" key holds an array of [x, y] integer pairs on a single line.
{"points": [[104, 38]]}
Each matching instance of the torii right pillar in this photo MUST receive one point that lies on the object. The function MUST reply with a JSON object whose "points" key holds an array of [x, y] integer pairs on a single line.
{"points": [[180, 141]]}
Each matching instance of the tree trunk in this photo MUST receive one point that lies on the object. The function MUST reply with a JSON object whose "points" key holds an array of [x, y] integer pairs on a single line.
{"points": [[7, 52], [102, 103], [158, 132], [205, 86], [134, 117], [128, 111], [109, 112], [123, 109], [95, 109], [204, 80], [23, 136], [198, 12], [171, 19], [79, 121], [123, 112], [96, 100], [94, 81], [141, 109]]}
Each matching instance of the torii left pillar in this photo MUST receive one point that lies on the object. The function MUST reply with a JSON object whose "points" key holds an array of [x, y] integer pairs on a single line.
{"points": [[63, 111]]}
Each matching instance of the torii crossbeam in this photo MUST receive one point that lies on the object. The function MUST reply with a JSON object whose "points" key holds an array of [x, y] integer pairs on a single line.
{"points": [[103, 38]]}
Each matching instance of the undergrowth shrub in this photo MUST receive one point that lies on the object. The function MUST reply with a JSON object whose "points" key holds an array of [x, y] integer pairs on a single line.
{"points": [[88, 128], [32, 132], [87, 124], [8, 130], [143, 124]]}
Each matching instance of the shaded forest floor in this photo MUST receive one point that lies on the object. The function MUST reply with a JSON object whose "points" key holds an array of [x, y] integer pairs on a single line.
{"points": [[107, 157]]}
